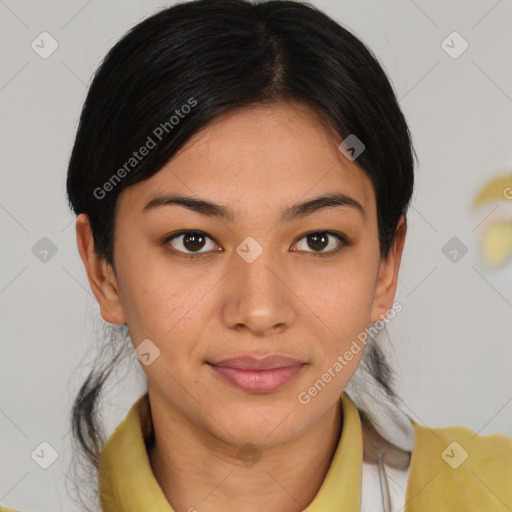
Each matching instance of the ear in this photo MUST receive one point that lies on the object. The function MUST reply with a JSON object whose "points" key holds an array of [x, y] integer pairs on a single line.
{"points": [[101, 276], [388, 275]]}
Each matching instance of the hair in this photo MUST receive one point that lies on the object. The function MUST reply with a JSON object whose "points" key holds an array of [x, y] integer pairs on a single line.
{"points": [[181, 68]]}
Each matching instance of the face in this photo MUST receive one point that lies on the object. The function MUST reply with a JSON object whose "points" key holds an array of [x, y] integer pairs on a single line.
{"points": [[265, 278]]}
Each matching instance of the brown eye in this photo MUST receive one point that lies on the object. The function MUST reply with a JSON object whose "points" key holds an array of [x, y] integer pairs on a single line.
{"points": [[191, 242], [320, 240]]}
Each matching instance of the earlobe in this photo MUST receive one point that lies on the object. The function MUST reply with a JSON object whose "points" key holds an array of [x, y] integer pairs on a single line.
{"points": [[388, 275], [108, 317], [99, 273]]}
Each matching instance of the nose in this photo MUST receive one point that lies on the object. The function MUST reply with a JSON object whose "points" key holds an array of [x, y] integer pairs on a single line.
{"points": [[258, 297]]}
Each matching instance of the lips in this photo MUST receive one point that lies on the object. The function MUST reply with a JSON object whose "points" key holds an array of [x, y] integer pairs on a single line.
{"points": [[254, 363], [258, 375]]}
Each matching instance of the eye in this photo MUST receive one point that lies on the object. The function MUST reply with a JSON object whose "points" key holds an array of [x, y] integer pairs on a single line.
{"points": [[190, 243], [320, 240]]}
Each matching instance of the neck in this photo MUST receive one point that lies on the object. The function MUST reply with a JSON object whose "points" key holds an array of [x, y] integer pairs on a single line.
{"points": [[199, 472]]}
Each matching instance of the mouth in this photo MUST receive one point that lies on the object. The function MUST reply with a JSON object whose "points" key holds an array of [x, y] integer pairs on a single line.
{"points": [[258, 375]]}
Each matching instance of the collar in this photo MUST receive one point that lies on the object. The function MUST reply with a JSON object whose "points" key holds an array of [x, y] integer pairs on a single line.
{"points": [[127, 483]]}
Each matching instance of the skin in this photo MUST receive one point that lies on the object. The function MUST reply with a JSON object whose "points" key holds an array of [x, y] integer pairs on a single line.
{"points": [[289, 301]]}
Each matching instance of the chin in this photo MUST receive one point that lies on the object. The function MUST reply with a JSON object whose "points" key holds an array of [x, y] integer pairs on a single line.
{"points": [[263, 425]]}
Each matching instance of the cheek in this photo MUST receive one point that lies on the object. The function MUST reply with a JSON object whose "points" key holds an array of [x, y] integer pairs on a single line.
{"points": [[166, 304], [342, 296], [156, 308], [150, 299]]}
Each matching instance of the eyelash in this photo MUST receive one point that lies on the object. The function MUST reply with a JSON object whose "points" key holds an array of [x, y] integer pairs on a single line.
{"points": [[345, 242]]}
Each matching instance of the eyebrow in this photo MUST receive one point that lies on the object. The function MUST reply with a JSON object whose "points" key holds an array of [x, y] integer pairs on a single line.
{"points": [[288, 214]]}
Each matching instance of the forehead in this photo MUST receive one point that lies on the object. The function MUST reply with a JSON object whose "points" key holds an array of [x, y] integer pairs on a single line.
{"points": [[256, 157]]}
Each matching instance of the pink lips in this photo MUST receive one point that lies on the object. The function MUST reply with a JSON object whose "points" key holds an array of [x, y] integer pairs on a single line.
{"points": [[258, 375]]}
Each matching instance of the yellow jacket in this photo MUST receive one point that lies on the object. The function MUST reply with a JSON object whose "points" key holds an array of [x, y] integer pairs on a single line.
{"points": [[451, 470]]}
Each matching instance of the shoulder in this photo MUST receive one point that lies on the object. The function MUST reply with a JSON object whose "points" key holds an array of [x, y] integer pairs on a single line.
{"points": [[463, 465], [460, 444]]}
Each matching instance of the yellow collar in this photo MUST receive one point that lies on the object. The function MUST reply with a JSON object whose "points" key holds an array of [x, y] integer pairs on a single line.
{"points": [[127, 483], [451, 468]]}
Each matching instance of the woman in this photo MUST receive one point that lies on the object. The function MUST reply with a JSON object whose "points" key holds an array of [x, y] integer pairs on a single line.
{"points": [[241, 176]]}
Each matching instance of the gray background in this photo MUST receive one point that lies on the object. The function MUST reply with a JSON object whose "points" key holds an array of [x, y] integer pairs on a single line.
{"points": [[452, 340]]}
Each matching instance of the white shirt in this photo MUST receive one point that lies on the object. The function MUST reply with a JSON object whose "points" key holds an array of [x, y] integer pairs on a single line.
{"points": [[371, 495]]}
